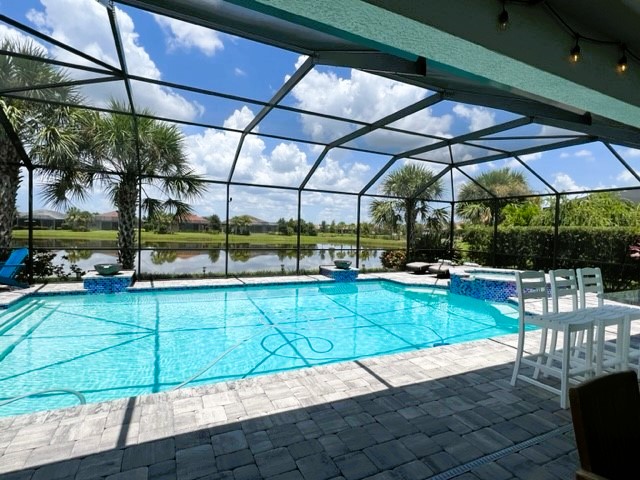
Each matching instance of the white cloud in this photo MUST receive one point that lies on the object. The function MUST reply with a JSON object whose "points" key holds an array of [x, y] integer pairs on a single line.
{"points": [[478, 117], [331, 207], [88, 30], [239, 119], [339, 176], [630, 152], [547, 130], [564, 183], [364, 97], [212, 153], [8, 33], [531, 156], [625, 177], [583, 153], [185, 36], [238, 72], [285, 163], [287, 157]]}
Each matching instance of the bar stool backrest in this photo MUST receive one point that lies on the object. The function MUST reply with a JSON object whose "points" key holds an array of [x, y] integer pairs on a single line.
{"points": [[531, 285], [563, 284], [590, 281]]}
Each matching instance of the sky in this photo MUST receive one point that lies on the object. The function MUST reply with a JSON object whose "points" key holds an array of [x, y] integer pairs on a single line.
{"points": [[162, 48]]}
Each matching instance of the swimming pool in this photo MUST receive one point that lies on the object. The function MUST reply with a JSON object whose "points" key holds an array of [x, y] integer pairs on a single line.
{"points": [[119, 345]]}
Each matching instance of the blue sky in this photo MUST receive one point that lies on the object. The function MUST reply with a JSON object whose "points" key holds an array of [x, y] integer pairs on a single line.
{"points": [[162, 48]]}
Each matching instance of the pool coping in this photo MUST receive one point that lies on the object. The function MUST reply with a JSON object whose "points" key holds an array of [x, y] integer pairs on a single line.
{"points": [[12, 297]]}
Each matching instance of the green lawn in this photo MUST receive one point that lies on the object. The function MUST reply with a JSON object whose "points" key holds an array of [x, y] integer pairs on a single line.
{"points": [[217, 238]]}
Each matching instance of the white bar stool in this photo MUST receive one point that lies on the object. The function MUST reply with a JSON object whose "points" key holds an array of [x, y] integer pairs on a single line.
{"points": [[608, 355]]}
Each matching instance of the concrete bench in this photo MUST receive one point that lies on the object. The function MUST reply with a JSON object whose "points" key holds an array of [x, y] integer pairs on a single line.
{"points": [[418, 267]]}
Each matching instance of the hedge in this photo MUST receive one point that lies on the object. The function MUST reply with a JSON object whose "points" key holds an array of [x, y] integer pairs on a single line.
{"points": [[533, 248]]}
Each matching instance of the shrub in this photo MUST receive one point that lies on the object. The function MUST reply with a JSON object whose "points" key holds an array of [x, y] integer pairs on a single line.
{"points": [[395, 259]]}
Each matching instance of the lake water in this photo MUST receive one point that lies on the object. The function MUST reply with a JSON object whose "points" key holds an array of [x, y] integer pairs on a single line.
{"points": [[185, 258]]}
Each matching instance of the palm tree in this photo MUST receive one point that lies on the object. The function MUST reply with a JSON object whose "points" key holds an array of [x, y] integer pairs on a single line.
{"points": [[384, 215], [502, 183], [47, 131], [123, 165], [240, 224], [78, 220], [415, 185]]}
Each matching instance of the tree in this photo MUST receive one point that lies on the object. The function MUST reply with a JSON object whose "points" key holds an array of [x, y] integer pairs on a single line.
{"points": [[604, 209], [241, 224], [48, 132], [153, 158], [323, 226], [308, 228], [365, 229], [415, 186], [521, 214], [161, 222], [385, 216], [501, 183], [215, 225], [78, 220], [292, 226], [282, 226]]}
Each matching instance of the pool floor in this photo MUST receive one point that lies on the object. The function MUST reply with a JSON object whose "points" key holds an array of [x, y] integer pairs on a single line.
{"points": [[121, 345]]}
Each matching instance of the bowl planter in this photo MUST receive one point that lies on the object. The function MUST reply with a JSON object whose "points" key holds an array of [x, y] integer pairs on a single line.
{"points": [[107, 268], [342, 264]]}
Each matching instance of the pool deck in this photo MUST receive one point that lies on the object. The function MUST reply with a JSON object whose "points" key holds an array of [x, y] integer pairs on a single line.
{"points": [[445, 412]]}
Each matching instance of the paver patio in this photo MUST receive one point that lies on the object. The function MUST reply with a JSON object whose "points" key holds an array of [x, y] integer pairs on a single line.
{"points": [[445, 412]]}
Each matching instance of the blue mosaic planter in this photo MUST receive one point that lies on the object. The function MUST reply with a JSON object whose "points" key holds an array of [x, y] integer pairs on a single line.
{"points": [[339, 274], [483, 289], [96, 283], [498, 289]]}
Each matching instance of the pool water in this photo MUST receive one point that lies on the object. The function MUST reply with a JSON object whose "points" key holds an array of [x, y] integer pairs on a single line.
{"points": [[119, 345]]}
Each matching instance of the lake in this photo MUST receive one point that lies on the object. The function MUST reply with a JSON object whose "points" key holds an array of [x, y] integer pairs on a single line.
{"points": [[196, 258]]}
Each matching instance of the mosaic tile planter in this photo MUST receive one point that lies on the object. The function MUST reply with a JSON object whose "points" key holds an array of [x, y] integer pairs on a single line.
{"points": [[95, 283], [496, 286], [481, 288], [339, 274]]}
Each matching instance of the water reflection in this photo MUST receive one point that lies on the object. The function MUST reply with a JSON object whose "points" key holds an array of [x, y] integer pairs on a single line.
{"points": [[196, 258]]}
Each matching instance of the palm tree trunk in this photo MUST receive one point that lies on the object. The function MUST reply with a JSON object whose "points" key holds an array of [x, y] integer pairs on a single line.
{"points": [[410, 221], [126, 202], [9, 182]]}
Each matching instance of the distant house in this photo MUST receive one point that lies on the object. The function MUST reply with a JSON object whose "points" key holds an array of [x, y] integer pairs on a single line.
{"points": [[261, 226], [257, 225], [49, 219], [194, 223], [106, 221]]}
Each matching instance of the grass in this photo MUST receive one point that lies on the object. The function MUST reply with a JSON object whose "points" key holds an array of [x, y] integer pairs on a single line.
{"points": [[216, 238]]}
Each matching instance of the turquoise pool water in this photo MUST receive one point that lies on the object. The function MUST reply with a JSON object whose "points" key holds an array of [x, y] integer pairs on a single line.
{"points": [[119, 345]]}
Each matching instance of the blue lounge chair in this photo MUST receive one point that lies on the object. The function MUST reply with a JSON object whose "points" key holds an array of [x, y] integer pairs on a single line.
{"points": [[10, 268]]}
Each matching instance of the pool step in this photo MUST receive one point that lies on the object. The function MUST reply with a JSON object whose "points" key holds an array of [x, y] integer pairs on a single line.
{"points": [[8, 320], [20, 337]]}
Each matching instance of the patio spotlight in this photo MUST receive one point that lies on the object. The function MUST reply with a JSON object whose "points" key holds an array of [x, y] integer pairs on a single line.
{"points": [[575, 53], [622, 62], [503, 18]]}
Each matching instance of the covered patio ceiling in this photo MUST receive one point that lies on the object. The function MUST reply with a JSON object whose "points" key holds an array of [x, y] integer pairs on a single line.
{"points": [[525, 119]]}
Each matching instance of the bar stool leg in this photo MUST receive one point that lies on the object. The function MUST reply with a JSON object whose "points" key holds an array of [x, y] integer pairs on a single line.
{"points": [[566, 366]]}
